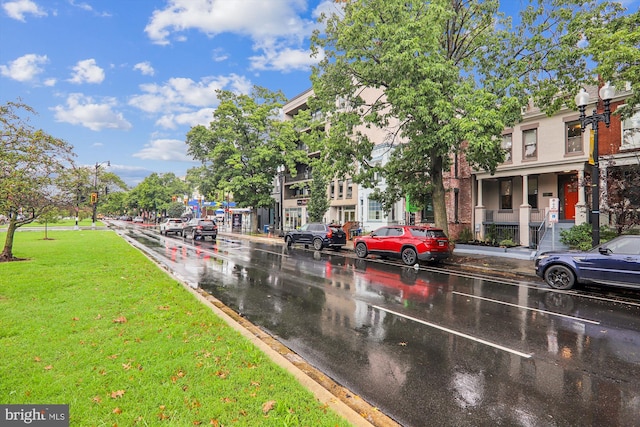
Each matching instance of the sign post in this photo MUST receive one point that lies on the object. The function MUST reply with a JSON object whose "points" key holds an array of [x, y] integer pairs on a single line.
{"points": [[554, 204]]}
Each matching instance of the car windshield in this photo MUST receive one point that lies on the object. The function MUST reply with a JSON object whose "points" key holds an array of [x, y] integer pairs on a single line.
{"points": [[206, 222], [426, 232]]}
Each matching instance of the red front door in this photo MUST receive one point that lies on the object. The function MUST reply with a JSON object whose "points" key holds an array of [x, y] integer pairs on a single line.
{"points": [[570, 199]]}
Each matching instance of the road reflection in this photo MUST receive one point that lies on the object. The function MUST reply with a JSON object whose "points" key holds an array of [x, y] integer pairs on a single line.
{"points": [[559, 358]]}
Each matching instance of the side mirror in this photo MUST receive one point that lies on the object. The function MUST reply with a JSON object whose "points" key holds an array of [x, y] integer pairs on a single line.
{"points": [[604, 250]]}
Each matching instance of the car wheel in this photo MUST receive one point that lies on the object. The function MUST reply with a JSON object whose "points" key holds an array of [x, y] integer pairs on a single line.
{"points": [[161, 233], [180, 233], [361, 250], [409, 256], [317, 244], [289, 241], [559, 277]]}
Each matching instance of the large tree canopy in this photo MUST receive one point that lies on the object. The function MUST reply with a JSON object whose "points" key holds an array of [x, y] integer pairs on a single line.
{"points": [[244, 144], [34, 171], [440, 77]]}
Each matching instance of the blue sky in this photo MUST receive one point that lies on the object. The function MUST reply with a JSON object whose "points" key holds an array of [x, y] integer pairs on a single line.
{"points": [[124, 80]]}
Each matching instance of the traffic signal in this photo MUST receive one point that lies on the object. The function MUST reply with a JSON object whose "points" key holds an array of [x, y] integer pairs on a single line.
{"points": [[94, 198]]}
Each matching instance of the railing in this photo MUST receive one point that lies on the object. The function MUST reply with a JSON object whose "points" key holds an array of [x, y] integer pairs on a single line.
{"points": [[536, 234]]}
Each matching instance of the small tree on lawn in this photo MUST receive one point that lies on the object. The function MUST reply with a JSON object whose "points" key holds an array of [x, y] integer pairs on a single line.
{"points": [[34, 172]]}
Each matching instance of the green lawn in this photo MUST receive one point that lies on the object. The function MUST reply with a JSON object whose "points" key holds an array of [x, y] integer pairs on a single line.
{"points": [[88, 321]]}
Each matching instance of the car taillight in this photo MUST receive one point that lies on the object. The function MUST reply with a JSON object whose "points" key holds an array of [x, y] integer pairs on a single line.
{"points": [[329, 234], [199, 227]]}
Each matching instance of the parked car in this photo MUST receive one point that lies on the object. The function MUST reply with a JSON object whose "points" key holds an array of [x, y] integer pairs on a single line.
{"points": [[200, 228], [615, 263], [138, 219], [317, 234], [407, 242], [171, 225]]}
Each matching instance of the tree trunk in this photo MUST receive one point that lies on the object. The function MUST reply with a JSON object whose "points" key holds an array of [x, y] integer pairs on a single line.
{"points": [[254, 220], [439, 199], [7, 252]]}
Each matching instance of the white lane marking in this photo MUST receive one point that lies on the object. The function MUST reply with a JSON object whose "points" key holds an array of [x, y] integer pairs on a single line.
{"points": [[595, 322], [460, 334]]}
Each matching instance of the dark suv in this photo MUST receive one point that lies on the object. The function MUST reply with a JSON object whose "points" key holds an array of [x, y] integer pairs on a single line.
{"points": [[317, 234], [199, 227]]}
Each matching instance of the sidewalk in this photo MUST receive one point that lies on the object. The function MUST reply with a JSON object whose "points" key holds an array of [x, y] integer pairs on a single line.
{"points": [[515, 262]]}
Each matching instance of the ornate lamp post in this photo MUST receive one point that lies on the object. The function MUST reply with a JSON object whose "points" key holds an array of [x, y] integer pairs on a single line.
{"points": [[582, 99], [94, 195]]}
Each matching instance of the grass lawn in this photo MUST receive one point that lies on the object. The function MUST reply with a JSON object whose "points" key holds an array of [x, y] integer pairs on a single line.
{"points": [[88, 321]]}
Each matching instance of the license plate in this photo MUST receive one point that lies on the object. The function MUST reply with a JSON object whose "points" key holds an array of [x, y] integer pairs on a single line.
{"points": [[440, 243]]}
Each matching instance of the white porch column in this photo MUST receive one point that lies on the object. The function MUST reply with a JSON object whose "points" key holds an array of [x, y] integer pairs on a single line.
{"points": [[525, 212], [479, 216], [581, 206]]}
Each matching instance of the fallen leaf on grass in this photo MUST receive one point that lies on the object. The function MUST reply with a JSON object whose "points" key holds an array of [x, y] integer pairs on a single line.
{"points": [[268, 406], [117, 411], [96, 399], [120, 319], [36, 359], [75, 319], [48, 367], [117, 394], [163, 307], [126, 366]]}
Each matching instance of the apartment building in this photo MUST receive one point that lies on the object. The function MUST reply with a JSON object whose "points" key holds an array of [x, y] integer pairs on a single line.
{"points": [[547, 158], [350, 202]]}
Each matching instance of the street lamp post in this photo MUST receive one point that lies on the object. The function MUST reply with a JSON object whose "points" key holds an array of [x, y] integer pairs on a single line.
{"points": [[280, 171], [582, 99], [94, 196]]}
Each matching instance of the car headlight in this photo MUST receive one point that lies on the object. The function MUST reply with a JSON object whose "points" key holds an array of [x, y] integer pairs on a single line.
{"points": [[541, 257]]}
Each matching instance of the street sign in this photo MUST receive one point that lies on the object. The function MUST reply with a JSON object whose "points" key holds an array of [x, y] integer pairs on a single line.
{"points": [[554, 205]]}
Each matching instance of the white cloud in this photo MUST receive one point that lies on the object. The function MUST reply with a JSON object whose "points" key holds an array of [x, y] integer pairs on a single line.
{"points": [[184, 101], [18, 9], [25, 68], [145, 68], [285, 59], [165, 149], [50, 82], [276, 20], [199, 117], [87, 72], [82, 110]]}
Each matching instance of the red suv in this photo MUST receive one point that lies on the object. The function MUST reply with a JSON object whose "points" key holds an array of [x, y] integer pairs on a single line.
{"points": [[408, 242]]}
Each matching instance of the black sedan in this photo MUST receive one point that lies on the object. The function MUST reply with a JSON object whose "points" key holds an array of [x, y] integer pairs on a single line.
{"points": [[615, 263], [200, 228], [317, 234]]}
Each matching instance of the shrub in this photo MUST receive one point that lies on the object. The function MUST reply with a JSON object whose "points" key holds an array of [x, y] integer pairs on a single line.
{"points": [[579, 236], [507, 243], [465, 235]]}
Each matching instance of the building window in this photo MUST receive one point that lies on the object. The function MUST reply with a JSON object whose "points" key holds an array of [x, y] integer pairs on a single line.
{"points": [[349, 188], [530, 143], [333, 190], [506, 194], [340, 189], [456, 205], [375, 210], [574, 137], [631, 131], [533, 192], [507, 146], [427, 214]]}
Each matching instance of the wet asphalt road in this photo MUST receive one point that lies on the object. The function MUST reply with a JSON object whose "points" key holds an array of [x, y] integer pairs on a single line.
{"points": [[425, 346]]}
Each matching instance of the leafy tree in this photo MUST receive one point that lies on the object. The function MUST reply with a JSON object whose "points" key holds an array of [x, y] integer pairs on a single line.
{"points": [[34, 175], [614, 46], [441, 77], [622, 196], [156, 192], [318, 202], [244, 144]]}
